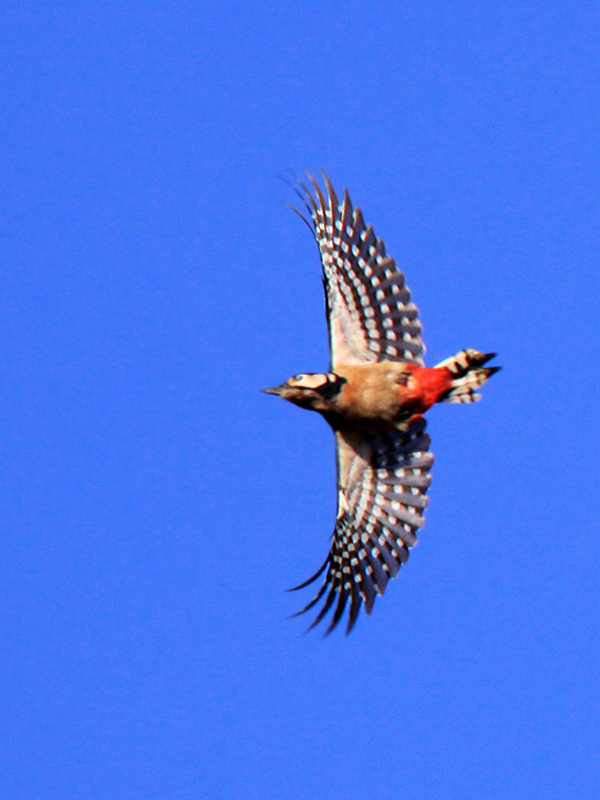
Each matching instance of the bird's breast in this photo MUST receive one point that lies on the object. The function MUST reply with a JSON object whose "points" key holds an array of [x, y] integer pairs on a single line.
{"points": [[388, 391]]}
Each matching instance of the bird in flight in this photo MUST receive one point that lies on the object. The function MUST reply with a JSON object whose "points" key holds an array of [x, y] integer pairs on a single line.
{"points": [[374, 398]]}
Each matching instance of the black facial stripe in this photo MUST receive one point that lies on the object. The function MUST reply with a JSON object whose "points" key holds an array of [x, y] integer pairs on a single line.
{"points": [[332, 388]]}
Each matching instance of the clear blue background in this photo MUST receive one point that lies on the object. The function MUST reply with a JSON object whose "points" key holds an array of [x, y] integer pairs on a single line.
{"points": [[154, 505]]}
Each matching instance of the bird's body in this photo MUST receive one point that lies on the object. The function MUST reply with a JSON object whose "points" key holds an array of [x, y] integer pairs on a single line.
{"points": [[388, 395], [374, 398]]}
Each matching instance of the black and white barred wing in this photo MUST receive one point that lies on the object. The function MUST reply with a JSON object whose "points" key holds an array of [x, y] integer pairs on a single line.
{"points": [[382, 485], [369, 309]]}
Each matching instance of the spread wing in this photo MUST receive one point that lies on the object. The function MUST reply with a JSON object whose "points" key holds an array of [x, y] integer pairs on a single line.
{"points": [[382, 485], [369, 310]]}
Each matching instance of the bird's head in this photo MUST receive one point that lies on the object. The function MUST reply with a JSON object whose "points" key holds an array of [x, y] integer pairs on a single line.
{"points": [[310, 390]]}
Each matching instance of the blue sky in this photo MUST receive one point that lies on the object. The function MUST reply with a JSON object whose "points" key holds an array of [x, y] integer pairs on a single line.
{"points": [[155, 505]]}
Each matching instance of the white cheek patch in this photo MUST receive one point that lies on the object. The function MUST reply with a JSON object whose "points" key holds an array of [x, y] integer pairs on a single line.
{"points": [[310, 381]]}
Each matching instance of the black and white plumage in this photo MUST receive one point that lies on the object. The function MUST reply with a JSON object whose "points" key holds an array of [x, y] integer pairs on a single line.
{"points": [[374, 397], [382, 481], [369, 310]]}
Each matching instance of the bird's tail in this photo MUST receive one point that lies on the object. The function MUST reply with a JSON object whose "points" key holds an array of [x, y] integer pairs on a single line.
{"points": [[468, 374]]}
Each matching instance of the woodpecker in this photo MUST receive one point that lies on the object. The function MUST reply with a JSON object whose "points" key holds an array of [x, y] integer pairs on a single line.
{"points": [[374, 398]]}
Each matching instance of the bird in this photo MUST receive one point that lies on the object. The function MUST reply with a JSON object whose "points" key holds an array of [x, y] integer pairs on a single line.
{"points": [[374, 397]]}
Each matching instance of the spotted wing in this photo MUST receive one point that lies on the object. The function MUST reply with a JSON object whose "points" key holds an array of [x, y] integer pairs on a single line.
{"points": [[382, 485], [369, 310]]}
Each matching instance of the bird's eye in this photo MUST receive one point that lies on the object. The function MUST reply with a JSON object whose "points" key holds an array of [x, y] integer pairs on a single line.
{"points": [[309, 380]]}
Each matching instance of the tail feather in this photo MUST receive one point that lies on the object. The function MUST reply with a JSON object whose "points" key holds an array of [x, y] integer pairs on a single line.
{"points": [[468, 375]]}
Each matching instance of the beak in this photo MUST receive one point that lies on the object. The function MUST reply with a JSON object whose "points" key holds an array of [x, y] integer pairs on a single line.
{"points": [[274, 389]]}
